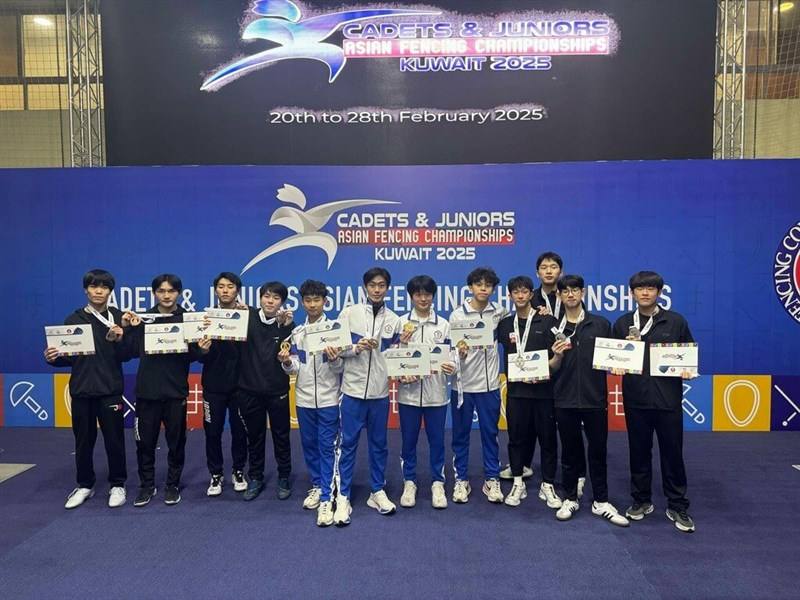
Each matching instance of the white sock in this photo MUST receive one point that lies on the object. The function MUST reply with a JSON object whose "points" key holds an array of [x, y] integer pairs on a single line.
{"points": [[518, 480]]}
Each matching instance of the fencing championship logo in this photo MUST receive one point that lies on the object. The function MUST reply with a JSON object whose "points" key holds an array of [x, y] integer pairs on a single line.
{"points": [[423, 38], [786, 272], [306, 223]]}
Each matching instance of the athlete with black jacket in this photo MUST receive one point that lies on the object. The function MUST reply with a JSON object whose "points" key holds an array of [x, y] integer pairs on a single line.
{"points": [[95, 387], [263, 388], [654, 405], [161, 390], [220, 378], [581, 401]]}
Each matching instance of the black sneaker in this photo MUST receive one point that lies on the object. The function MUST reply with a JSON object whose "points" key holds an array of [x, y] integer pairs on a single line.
{"points": [[284, 488], [638, 510], [681, 519], [254, 488], [172, 495], [144, 496]]}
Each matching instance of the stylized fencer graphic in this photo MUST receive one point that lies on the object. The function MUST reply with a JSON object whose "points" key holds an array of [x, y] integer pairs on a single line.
{"points": [[306, 223], [296, 37]]}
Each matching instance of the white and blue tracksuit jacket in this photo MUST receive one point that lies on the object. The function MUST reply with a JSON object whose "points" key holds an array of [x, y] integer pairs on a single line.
{"points": [[431, 390], [365, 376], [318, 379], [480, 371]]}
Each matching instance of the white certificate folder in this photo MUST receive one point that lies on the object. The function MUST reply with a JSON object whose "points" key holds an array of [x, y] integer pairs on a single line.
{"points": [[164, 338], [412, 361], [70, 340], [626, 355], [672, 360]]}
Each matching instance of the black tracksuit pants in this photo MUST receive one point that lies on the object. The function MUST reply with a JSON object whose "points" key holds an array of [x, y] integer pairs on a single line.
{"points": [[150, 414], [668, 427], [529, 419], [215, 407], [253, 411], [109, 412], [595, 425]]}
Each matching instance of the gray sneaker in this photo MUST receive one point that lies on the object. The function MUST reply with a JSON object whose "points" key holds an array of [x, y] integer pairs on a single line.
{"points": [[638, 510], [681, 519]]}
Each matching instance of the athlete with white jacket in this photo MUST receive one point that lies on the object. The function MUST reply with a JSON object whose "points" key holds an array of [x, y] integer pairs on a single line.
{"points": [[317, 401], [424, 397], [365, 393], [477, 389]]}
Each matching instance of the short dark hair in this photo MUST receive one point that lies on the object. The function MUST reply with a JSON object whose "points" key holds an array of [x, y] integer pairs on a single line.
{"points": [[520, 281], [173, 280], [274, 287], [646, 279], [310, 287], [377, 272], [569, 281], [549, 255], [232, 277], [100, 278], [486, 274], [421, 283]]}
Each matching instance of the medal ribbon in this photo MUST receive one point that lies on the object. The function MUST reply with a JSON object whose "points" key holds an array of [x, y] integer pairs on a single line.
{"points": [[637, 322]]}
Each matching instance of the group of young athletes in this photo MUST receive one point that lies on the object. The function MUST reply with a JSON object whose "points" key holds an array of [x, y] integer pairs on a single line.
{"points": [[339, 392]]}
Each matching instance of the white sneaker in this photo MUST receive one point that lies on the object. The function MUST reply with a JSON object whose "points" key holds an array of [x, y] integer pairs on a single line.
{"points": [[325, 514], [527, 472], [491, 488], [239, 482], [380, 502], [568, 508], [608, 512], [548, 493], [78, 496], [461, 491], [581, 485], [341, 515], [312, 498], [116, 496], [215, 486], [438, 497], [517, 494], [409, 497]]}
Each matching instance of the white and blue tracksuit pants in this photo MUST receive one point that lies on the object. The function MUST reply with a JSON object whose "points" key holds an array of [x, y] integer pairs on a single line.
{"points": [[356, 415], [487, 404], [318, 430], [410, 423]]}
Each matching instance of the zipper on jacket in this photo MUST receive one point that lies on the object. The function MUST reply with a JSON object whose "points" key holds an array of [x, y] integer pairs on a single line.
{"points": [[422, 340], [316, 401], [369, 363]]}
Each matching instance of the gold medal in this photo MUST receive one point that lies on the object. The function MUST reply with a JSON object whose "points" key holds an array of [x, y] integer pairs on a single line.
{"points": [[462, 345], [409, 328], [285, 346]]}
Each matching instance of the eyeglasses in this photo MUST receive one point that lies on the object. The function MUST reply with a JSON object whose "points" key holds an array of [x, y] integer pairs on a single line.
{"points": [[572, 291]]}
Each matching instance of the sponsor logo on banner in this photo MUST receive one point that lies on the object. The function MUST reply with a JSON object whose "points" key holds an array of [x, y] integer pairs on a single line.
{"points": [[785, 404], [786, 272], [696, 403], [423, 39], [194, 402], [28, 400], [616, 409], [742, 402]]}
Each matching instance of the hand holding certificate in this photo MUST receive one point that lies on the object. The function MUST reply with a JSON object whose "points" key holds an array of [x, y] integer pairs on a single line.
{"points": [[626, 356], [228, 324], [164, 339], [402, 362], [474, 333], [195, 326], [327, 334], [674, 360], [529, 366], [70, 340]]}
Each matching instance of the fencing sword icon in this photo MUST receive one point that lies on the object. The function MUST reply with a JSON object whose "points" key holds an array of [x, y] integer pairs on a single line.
{"points": [[796, 408], [690, 409]]}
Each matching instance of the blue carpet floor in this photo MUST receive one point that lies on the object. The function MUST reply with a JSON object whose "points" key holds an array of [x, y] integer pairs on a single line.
{"points": [[745, 499]]}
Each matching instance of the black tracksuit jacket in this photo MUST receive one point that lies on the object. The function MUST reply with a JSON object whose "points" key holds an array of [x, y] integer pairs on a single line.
{"points": [[260, 372], [577, 384]]}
